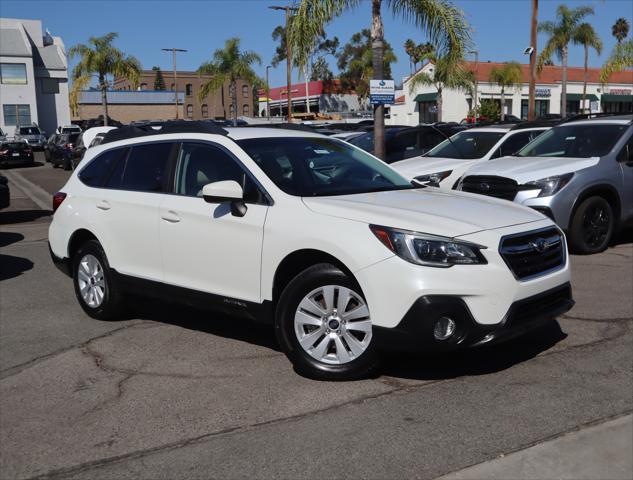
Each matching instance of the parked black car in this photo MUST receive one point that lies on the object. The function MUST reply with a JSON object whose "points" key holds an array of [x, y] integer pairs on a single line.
{"points": [[62, 150], [78, 151], [4, 192], [48, 146], [407, 142], [15, 153]]}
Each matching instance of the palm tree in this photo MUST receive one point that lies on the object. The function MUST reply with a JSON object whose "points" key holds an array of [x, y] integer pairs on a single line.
{"points": [[228, 65], [510, 75], [423, 51], [448, 73], [409, 48], [561, 34], [586, 36], [620, 59], [99, 58], [620, 29], [444, 23]]}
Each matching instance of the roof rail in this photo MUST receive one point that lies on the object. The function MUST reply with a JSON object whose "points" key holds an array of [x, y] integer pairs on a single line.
{"points": [[588, 116], [537, 123], [157, 128], [284, 126]]}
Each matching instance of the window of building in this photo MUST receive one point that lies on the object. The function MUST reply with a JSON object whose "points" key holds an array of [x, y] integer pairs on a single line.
{"points": [[246, 110], [189, 89], [143, 170], [541, 108], [16, 114], [143, 86], [205, 111], [427, 111], [245, 91], [50, 85], [13, 73], [189, 111]]}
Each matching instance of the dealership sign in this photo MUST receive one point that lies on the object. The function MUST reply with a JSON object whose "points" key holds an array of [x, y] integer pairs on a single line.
{"points": [[543, 92], [620, 91], [382, 92]]}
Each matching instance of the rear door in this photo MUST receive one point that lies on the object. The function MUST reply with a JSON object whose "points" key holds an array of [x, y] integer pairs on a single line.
{"points": [[205, 247], [515, 142], [625, 159], [127, 209]]}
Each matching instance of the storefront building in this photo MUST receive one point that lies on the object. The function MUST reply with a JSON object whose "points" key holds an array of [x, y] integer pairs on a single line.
{"points": [[420, 105]]}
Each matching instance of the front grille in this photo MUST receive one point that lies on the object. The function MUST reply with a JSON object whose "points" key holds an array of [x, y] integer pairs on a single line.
{"points": [[498, 187], [533, 253]]}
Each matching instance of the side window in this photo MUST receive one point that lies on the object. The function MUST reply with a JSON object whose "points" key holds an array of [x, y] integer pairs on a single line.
{"points": [[516, 142], [95, 173], [144, 169], [200, 164], [626, 154]]}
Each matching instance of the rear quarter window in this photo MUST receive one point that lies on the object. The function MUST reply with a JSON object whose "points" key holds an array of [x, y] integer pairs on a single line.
{"points": [[96, 173]]}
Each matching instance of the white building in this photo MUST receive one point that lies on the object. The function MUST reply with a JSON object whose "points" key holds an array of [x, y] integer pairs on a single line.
{"points": [[420, 105], [33, 76]]}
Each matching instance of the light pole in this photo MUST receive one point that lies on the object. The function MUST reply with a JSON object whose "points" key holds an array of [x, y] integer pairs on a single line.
{"points": [[173, 52], [267, 95], [288, 9], [476, 52], [533, 48]]}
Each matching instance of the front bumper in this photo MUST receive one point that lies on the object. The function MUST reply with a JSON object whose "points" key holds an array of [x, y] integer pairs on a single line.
{"points": [[415, 331]]}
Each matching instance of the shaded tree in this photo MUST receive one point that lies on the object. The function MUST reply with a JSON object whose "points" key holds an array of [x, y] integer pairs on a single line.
{"points": [[99, 58], [620, 59], [509, 75], [159, 81], [229, 64]]}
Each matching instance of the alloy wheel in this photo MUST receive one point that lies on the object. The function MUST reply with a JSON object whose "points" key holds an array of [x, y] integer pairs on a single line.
{"points": [[91, 280], [596, 226], [332, 324]]}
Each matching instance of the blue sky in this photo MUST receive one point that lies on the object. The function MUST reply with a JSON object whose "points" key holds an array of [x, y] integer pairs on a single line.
{"points": [[501, 27]]}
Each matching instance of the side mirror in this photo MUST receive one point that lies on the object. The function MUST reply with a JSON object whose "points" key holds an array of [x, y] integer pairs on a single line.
{"points": [[226, 191]]}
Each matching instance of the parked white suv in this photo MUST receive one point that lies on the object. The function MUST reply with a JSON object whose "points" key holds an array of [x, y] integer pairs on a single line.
{"points": [[342, 254], [446, 163]]}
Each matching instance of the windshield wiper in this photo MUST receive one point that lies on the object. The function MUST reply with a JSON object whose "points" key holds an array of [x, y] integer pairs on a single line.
{"points": [[461, 155]]}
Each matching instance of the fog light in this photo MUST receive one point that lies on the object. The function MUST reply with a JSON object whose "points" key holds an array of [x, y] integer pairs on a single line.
{"points": [[444, 328]]}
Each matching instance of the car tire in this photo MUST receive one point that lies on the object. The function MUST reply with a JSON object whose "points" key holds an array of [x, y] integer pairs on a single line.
{"points": [[328, 353], [67, 165], [592, 226], [95, 285]]}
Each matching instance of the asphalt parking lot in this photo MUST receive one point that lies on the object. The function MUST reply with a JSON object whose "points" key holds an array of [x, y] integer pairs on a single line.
{"points": [[179, 393]]}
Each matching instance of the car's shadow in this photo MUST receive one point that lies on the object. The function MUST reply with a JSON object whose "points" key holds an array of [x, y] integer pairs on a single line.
{"points": [[623, 237], [22, 216], [11, 266], [476, 361], [26, 165]]}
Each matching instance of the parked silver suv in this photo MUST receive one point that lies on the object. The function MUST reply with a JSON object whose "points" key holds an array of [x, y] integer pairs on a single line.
{"points": [[32, 134], [579, 173]]}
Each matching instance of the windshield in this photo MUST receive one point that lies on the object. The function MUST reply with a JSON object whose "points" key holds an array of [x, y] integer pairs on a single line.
{"points": [[575, 140], [29, 131], [366, 140], [467, 145], [312, 166]]}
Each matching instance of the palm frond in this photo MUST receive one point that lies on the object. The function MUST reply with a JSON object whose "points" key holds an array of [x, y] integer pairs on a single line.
{"points": [[79, 84], [620, 59]]}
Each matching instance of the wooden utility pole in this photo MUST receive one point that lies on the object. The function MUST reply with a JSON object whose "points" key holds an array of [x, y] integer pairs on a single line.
{"points": [[173, 52], [533, 40], [288, 11]]}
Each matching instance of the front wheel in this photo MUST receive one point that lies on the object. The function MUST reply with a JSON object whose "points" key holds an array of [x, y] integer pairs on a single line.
{"points": [[95, 285], [592, 226], [324, 326]]}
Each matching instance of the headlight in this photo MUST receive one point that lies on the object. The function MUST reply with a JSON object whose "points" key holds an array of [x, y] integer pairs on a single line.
{"points": [[550, 185], [433, 179], [430, 250]]}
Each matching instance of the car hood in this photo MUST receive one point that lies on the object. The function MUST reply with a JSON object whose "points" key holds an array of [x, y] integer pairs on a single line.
{"points": [[413, 167], [527, 169], [427, 210]]}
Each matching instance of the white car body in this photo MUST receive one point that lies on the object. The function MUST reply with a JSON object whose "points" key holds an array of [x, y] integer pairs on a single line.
{"points": [[61, 129], [90, 134], [189, 243], [420, 166]]}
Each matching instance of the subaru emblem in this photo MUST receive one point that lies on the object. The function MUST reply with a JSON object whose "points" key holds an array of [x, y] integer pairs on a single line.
{"points": [[540, 245]]}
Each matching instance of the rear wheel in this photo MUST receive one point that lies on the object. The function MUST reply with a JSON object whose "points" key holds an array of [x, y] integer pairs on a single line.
{"points": [[95, 285], [592, 226], [324, 326]]}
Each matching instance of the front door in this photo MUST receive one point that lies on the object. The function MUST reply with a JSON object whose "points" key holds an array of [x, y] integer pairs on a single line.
{"points": [[205, 247]]}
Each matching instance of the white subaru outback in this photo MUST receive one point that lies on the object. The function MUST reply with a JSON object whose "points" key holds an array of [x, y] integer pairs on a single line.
{"points": [[329, 244]]}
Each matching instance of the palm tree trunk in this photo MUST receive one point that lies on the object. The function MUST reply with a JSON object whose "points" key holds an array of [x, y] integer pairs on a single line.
{"points": [[584, 83], [503, 102], [439, 104], [104, 98], [377, 36], [234, 101], [563, 98]]}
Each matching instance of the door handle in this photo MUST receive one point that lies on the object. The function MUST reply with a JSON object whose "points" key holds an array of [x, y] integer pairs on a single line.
{"points": [[103, 205], [170, 216]]}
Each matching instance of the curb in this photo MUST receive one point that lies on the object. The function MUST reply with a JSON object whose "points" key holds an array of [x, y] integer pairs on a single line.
{"points": [[36, 193]]}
